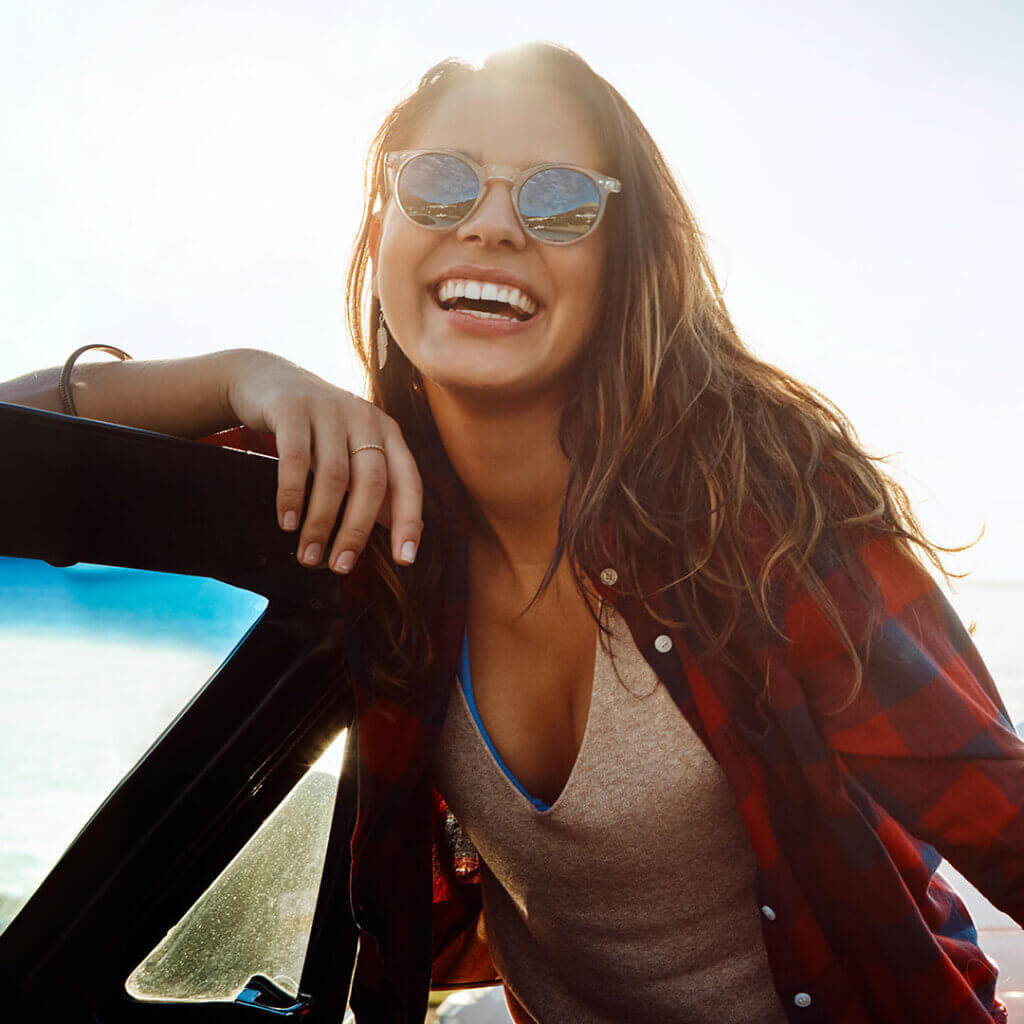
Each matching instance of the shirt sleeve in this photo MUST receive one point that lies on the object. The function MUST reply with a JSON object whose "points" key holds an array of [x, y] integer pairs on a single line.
{"points": [[927, 734]]}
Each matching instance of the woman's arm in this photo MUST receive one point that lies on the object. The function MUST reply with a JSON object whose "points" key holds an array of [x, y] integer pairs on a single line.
{"points": [[314, 425], [183, 397], [928, 735]]}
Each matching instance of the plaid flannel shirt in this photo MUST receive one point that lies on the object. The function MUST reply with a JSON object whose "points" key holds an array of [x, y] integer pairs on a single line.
{"points": [[848, 810]]}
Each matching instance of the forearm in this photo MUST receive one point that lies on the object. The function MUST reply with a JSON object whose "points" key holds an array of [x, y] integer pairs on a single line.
{"points": [[183, 397]]}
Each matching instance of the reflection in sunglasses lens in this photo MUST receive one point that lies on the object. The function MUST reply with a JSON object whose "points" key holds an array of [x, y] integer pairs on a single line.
{"points": [[437, 190], [559, 204]]}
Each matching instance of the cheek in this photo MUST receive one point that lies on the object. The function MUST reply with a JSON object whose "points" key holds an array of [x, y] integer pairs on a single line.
{"points": [[583, 269], [587, 288], [398, 256]]}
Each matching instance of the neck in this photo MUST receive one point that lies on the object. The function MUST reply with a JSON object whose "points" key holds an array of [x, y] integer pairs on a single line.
{"points": [[513, 468]]}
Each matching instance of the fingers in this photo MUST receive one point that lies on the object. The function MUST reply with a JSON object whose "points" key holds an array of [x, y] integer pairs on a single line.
{"points": [[292, 439], [330, 482], [405, 499], [382, 487], [368, 484]]}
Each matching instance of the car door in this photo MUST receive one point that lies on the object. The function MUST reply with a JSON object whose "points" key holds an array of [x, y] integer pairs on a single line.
{"points": [[174, 870]]}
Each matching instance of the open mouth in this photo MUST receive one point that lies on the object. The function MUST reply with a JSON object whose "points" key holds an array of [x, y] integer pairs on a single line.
{"points": [[485, 300]]}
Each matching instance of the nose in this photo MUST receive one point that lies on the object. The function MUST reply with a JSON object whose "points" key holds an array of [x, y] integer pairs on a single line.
{"points": [[494, 221]]}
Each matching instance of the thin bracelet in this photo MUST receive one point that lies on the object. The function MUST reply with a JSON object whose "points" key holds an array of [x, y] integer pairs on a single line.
{"points": [[63, 384]]}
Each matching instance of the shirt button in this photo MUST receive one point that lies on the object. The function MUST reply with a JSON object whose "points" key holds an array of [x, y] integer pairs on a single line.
{"points": [[802, 999], [663, 644], [768, 912], [609, 577]]}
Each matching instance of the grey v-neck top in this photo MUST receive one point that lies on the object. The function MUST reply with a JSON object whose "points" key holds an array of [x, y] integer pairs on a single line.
{"points": [[583, 922]]}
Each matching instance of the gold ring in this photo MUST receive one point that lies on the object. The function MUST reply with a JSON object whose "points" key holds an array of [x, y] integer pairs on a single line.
{"points": [[379, 448]]}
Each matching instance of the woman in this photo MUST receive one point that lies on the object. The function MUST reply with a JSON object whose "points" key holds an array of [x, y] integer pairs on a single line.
{"points": [[659, 645]]}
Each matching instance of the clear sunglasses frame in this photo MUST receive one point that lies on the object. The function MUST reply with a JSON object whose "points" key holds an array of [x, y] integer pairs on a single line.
{"points": [[396, 160]]}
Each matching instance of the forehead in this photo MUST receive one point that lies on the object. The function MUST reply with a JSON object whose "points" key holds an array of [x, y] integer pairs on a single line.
{"points": [[517, 124]]}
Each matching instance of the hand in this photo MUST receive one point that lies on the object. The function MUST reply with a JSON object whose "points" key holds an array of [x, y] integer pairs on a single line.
{"points": [[315, 426]]}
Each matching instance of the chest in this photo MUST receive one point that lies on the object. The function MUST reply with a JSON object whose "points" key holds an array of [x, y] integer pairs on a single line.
{"points": [[532, 675]]}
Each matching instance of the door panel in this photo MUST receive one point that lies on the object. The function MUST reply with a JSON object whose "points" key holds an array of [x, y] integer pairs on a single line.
{"points": [[226, 759]]}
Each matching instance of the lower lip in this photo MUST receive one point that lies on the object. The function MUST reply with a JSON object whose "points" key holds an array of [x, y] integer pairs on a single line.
{"points": [[485, 326]]}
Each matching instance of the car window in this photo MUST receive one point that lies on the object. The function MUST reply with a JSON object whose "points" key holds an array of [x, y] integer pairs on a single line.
{"points": [[95, 663], [256, 916]]}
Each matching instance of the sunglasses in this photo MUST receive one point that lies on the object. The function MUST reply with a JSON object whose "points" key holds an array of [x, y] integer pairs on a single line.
{"points": [[555, 203]]}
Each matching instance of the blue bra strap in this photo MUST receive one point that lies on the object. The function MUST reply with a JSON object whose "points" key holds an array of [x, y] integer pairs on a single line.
{"points": [[467, 689]]}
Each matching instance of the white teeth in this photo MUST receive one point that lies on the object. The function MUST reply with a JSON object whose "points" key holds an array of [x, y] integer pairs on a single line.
{"points": [[520, 301], [517, 299], [489, 316], [454, 288]]}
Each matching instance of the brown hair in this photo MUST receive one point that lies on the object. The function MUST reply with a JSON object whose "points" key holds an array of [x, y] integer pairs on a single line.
{"points": [[677, 434]]}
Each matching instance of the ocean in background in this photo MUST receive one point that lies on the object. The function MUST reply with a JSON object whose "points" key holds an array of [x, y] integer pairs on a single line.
{"points": [[97, 662], [995, 609]]}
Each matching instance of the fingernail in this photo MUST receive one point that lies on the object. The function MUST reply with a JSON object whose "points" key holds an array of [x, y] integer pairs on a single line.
{"points": [[409, 552], [291, 519], [345, 561], [312, 554]]}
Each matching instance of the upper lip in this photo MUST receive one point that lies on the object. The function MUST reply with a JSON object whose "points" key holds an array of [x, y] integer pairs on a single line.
{"points": [[466, 271]]}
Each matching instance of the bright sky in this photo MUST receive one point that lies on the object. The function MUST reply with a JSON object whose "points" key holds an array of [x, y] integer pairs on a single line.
{"points": [[179, 177]]}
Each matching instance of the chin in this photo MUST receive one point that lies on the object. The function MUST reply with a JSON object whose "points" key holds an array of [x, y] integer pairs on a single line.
{"points": [[485, 383], [457, 363]]}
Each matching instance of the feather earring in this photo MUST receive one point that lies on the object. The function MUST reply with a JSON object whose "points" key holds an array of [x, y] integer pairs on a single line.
{"points": [[382, 341]]}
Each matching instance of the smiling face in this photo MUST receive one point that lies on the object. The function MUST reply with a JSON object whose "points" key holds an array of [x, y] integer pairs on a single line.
{"points": [[494, 122]]}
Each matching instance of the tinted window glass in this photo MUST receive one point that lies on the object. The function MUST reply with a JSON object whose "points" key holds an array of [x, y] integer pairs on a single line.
{"points": [[256, 917]]}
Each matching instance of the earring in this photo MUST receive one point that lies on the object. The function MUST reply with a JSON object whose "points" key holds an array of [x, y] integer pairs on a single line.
{"points": [[382, 340]]}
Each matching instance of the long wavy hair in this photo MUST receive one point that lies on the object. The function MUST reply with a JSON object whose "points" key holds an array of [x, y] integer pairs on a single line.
{"points": [[677, 434]]}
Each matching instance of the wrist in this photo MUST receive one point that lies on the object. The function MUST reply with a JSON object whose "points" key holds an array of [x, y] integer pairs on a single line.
{"points": [[231, 367]]}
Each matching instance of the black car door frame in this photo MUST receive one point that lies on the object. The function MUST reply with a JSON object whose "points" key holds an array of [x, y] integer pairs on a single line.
{"points": [[86, 491]]}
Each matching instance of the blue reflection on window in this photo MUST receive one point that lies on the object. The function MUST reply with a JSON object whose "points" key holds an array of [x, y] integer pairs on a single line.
{"points": [[95, 663], [108, 601]]}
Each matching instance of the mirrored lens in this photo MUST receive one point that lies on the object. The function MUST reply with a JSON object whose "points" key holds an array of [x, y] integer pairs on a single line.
{"points": [[559, 204], [437, 190]]}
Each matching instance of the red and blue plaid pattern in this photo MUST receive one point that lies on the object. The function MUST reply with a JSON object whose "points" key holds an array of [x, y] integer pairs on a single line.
{"points": [[848, 809]]}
